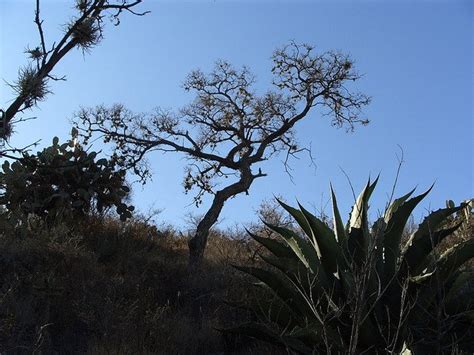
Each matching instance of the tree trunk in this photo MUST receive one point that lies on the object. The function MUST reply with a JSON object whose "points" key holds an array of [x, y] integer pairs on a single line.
{"points": [[197, 244]]}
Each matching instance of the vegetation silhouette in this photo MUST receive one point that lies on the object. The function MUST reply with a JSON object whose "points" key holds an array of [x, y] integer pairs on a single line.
{"points": [[80, 276], [229, 129], [84, 31]]}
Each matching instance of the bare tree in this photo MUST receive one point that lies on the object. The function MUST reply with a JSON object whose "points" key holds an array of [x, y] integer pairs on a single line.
{"points": [[229, 128], [84, 31]]}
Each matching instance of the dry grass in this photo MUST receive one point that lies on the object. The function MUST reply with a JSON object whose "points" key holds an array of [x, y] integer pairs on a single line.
{"points": [[105, 288]]}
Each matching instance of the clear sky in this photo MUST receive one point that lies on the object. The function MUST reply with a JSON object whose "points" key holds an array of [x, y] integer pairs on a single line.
{"points": [[416, 57]]}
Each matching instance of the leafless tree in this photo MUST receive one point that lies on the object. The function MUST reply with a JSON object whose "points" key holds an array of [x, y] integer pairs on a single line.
{"points": [[84, 31], [228, 129]]}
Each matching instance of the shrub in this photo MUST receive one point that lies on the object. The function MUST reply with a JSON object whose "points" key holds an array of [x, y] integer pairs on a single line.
{"points": [[108, 287], [357, 289], [62, 181]]}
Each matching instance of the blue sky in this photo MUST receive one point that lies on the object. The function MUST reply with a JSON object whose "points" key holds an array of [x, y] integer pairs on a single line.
{"points": [[416, 57]]}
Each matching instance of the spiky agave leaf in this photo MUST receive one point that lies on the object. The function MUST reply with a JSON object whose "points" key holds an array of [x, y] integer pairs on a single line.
{"points": [[356, 217], [330, 253], [358, 238], [427, 236], [393, 235], [284, 290], [302, 248], [454, 257], [417, 254], [339, 230], [276, 248], [312, 286], [395, 204], [442, 276], [298, 216], [296, 271]]}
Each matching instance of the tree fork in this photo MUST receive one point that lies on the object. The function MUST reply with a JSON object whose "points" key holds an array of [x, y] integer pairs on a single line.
{"points": [[197, 244]]}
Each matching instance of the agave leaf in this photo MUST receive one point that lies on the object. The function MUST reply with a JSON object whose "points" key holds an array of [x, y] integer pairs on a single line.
{"points": [[282, 289], [358, 231], [392, 249], [348, 283], [298, 216], [303, 249], [446, 268], [375, 281], [454, 257], [327, 289], [330, 252], [394, 231], [357, 245], [447, 263], [378, 231], [372, 187], [356, 215], [324, 290], [339, 230], [425, 238], [422, 277], [368, 330], [433, 220], [395, 204], [416, 255], [275, 247], [291, 268]]}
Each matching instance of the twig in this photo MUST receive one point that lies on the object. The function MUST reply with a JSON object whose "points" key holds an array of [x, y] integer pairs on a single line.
{"points": [[350, 183], [400, 163]]}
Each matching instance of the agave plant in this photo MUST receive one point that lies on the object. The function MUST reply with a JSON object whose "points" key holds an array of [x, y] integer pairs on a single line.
{"points": [[354, 288]]}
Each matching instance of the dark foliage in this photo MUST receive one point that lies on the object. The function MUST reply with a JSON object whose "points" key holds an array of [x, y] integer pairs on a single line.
{"points": [[62, 181], [105, 287]]}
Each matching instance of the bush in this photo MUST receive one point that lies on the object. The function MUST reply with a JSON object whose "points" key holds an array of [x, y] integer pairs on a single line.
{"points": [[107, 287]]}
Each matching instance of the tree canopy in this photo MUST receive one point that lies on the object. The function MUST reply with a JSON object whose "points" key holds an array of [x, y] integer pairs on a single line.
{"points": [[229, 128]]}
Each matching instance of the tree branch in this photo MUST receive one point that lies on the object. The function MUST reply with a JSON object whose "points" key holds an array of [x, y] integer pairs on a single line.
{"points": [[85, 31]]}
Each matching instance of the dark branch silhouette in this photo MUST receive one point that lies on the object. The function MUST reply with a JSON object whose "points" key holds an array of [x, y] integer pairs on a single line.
{"points": [[84, 32], [229, 128]]}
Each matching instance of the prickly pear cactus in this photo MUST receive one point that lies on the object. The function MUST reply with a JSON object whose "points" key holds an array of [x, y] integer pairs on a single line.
{"points": [[62, 181]]}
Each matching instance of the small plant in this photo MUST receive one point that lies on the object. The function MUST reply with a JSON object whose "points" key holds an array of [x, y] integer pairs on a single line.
{"points": [[30, 86], [359, 289], [62, 181]]}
